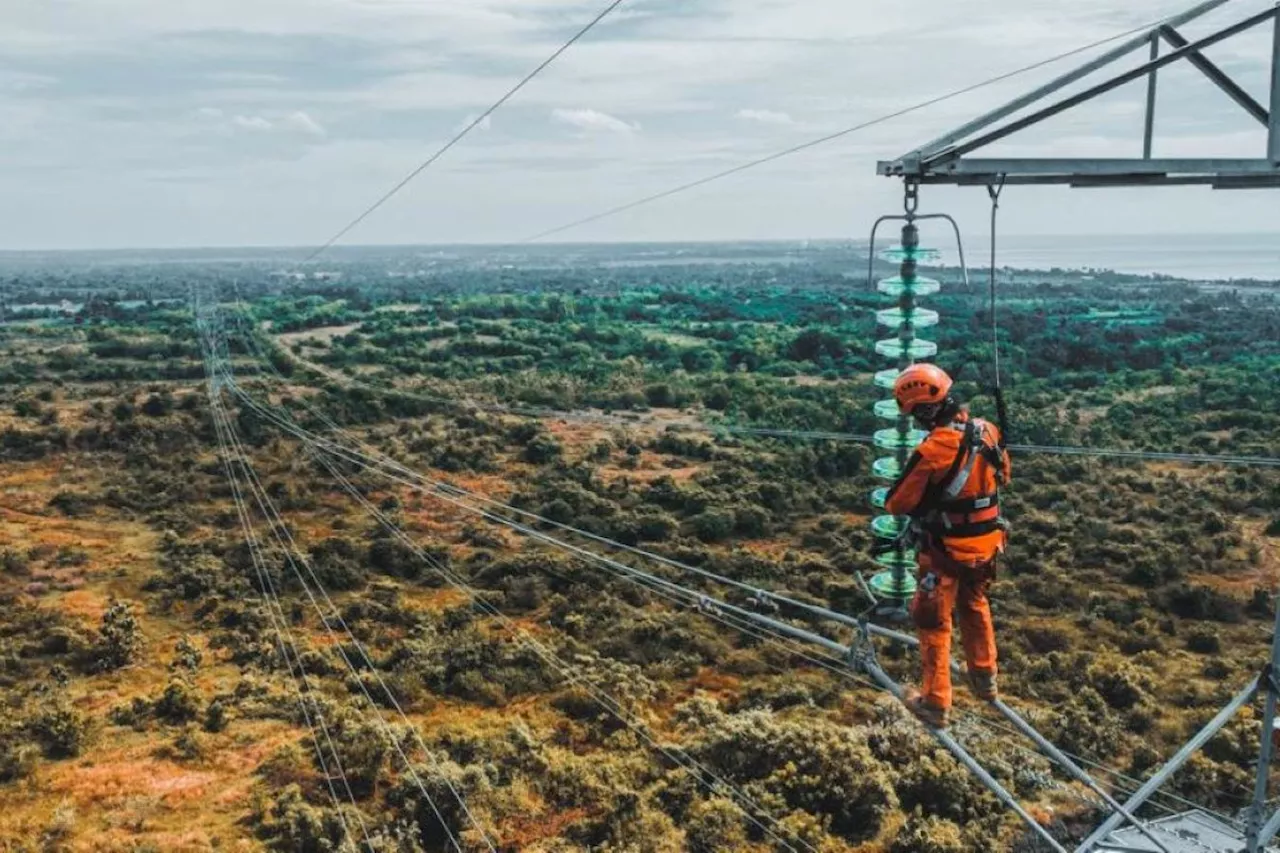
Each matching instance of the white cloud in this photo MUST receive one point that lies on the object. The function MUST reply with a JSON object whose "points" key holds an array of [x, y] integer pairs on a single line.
{"points": [[303, 123], [593, 121], [252, 123], [296, 122], [310, 107], [766, 117]]}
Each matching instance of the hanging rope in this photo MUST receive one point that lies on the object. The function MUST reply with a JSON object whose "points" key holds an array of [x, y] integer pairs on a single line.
{"points": [[994, 190]]}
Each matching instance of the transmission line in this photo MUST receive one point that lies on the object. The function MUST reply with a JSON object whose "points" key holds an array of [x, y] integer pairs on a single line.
{"points": [[664, 588], [280, 625], [294, 558], [458, 137], [321, 450], [374, 461]]}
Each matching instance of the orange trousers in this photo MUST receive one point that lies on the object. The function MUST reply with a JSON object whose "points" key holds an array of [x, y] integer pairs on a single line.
{"points": [[946, 589]]}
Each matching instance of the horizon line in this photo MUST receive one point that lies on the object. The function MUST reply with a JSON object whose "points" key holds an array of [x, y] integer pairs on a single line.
{"points": [[1110, 236]]}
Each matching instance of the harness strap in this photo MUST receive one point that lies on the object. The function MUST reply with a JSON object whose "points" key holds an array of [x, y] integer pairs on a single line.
{"points": [[970, 449], [955, 517], [969, 505], [965, 531], [954, 471]]}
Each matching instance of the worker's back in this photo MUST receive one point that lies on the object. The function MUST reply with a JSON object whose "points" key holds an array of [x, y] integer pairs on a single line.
{"points": [[952, 489]]}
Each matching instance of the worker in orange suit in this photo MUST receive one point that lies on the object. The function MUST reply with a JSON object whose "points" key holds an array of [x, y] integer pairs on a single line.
{"points": [[950, 490]]}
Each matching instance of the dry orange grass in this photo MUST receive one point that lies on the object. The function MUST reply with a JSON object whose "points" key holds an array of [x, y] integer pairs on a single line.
{"points": [[434, 600], [649, 467], [124, 796], [121, 792], [768, 549], [536, 825]]}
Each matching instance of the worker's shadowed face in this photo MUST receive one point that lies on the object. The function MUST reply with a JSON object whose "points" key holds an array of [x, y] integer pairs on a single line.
{"points": [[925, 415]]}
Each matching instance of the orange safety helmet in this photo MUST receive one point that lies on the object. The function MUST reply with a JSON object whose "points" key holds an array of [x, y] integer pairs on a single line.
{"points": [[921, 384]]}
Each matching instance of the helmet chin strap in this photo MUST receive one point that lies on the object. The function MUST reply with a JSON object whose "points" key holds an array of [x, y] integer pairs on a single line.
{"points": [[926, 415], [932, 415]]}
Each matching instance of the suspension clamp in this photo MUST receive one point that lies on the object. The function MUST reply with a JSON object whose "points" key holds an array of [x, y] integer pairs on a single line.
{"points": [[862, 652]]}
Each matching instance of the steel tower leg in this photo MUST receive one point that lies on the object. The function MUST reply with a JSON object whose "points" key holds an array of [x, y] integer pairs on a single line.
{"points": [[1273, 134], [1171, 766], [1267, 682]]}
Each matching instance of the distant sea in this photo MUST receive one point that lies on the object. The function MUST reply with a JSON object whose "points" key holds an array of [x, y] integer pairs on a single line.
{"points": [[1194, 256]]}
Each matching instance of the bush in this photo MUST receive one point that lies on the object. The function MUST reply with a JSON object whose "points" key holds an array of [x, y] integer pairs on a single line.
{"points": [[717, 397], [1121, 685], [158, 405], [187, 745], [13, 562], [179, 703], [928, 835], [119, 639], [216, 717], [186, 655], [714, 825], [433, 797], [1204, 640], [939, 787], [362, 748], [286, 766], [713, 525], [824, 769], [292, 824], [542, 449], [60, 730], [1202, 602], [17, 760]]}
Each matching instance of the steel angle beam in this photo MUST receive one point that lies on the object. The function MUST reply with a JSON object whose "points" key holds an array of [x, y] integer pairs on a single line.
{"points": [[946, 160], [1099, 166], [1219, 77], [1057, 84], [1273, 135], [1111, 824], [968, 761]]}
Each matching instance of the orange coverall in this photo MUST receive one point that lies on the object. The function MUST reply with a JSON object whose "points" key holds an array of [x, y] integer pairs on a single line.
{"points": [[952, 570]]}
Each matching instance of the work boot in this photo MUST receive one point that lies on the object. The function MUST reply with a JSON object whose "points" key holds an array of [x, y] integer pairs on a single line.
{"points": [[983, 685], [925, 711]]}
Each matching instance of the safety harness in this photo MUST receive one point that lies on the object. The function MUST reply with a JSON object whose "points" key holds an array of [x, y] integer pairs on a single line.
{"points": [[947, 514]]}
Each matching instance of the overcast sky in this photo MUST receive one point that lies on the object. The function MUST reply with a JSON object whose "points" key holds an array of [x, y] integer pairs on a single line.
{"points": [[273, 122]]}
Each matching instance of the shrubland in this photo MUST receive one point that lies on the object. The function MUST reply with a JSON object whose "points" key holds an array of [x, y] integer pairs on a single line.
{"points": [[139, 640]]}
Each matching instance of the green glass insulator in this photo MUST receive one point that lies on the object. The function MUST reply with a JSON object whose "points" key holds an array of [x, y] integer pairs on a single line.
{"points": [[887, 468], [920, 318], [917, 349], [899, 587], [888, 526], [891, 439], [918, 286], [887, 378], [878, 497], [919, 254], [894, 560], [887, 409]]}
